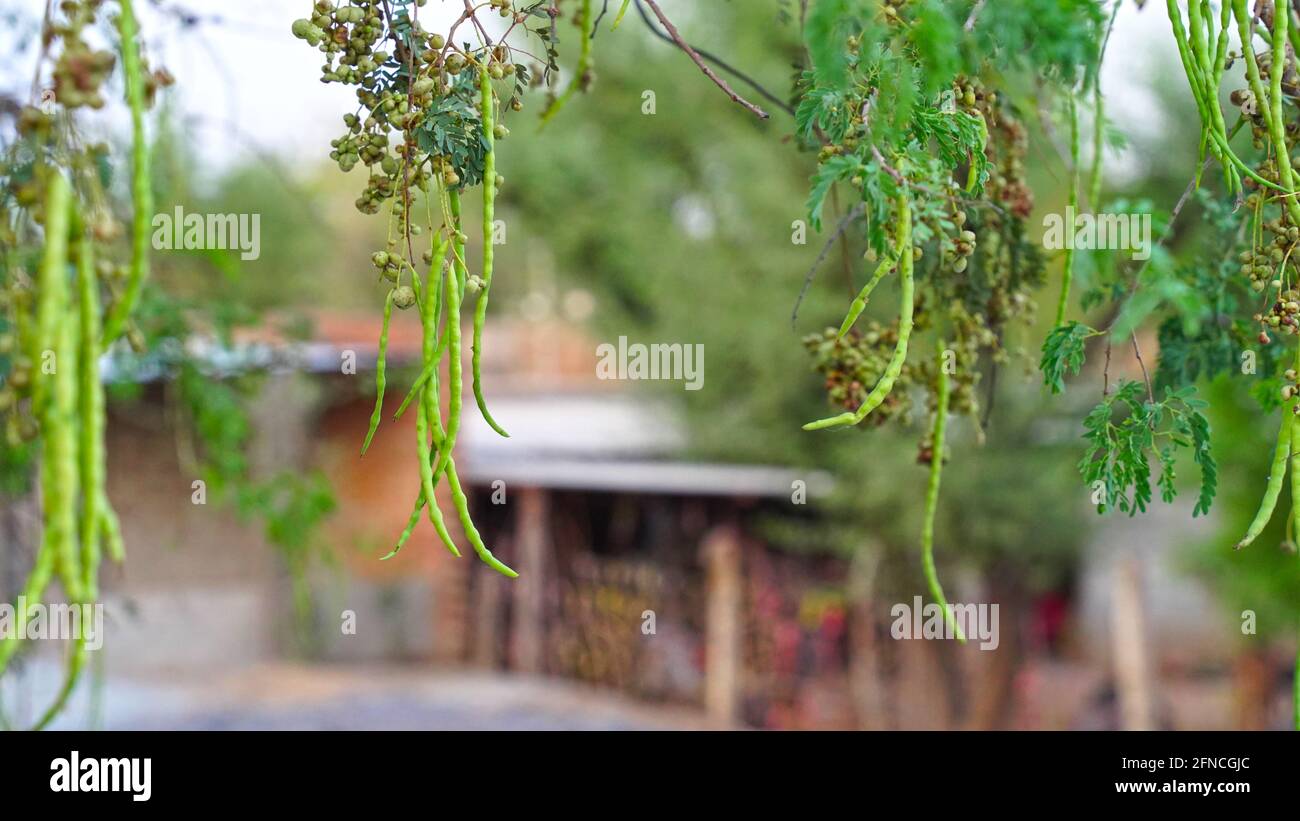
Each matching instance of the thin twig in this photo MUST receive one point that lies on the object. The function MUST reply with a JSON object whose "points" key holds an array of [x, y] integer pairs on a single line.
{"points": [[699, 61], [595, 24], [1164, 238], [888, 169], [974, 13], [1145, 376], [845, 221], [722, 65]]}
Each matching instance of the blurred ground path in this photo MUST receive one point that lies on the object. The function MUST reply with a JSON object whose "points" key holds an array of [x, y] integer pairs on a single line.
{"points": [[307, 697]]}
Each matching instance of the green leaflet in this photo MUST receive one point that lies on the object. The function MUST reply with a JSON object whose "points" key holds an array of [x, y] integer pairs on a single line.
{"points": [[1120, 447], [1063, 353]]}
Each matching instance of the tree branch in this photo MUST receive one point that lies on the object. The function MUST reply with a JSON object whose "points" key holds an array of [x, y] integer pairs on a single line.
{"points": [[699, 61]]}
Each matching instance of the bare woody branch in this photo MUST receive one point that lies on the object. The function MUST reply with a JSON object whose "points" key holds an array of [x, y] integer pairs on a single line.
{"points": [[695, 57]]}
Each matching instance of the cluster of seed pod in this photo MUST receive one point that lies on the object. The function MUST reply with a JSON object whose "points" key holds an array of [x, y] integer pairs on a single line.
{"points": [[891, 8], [852, 365], [79, 71], [1291, 389], [20, 425], [958, 251], [347, 33], [395, 93], [1262, 265], [1282, 317]]}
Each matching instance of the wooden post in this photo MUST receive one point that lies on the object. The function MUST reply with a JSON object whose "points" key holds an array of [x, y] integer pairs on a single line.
{"points": [[1132, 662], [868, 688], [533, 535], [721, 553]]}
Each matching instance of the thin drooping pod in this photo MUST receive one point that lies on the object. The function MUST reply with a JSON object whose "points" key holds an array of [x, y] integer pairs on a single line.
{"points": [[141, 191], [381, 376], [461, 503], [44, 336], [584, 63], [1268, 99], [937, 435], [895, 367], [451, 299], [60, 484], [489, 205], [1276, 478], [434, 301], [1204, 84], [431, 361], [1067, 273], [428, 420], [91, 409], [60, 479], [859, 303]]}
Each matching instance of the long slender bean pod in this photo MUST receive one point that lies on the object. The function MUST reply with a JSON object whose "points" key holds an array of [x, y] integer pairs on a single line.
{"points": [[111, 530], [1068, 273], [91, 406], [1276, 476], [1264, 102], [52, 281], [454, 366], [56, 392], [467, 524], [1281, 23], [859, 303], [895, 366], [1295, 518], [76, 663], [432, 358], [411, 522], [33, 590], [622, 10], [426, 478], [1190, 65], [584, 64], [489, 208], [1295, 473], [428, 411], [1098, 148], [52, 290], [381, 376], [60, 479], [932, 497], [141, 193]]}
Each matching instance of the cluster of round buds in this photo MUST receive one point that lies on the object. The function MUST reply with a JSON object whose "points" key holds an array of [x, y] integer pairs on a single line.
{"points": [[503, 7], [17, 297], [1283, 316], [891, 8], [1291, 389], [20, 427], [1261, 265], [390, 265], [925, 450], [79, 71], [378, 189], [1258, 266], [347, 33], [353, 147], [957, 252]]}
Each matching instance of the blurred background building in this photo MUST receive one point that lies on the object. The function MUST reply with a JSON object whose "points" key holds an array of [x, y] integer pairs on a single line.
{"points": [[669, 577]]}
